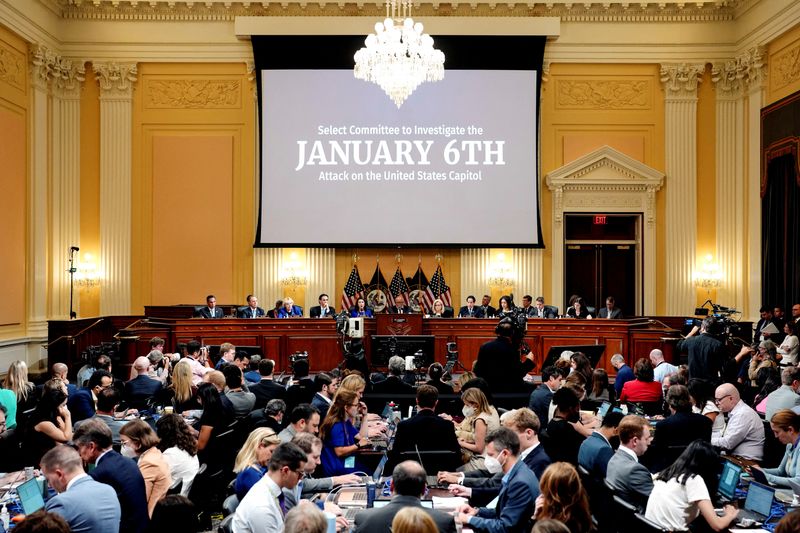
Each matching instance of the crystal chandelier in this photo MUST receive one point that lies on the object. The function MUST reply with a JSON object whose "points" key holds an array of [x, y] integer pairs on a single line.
{"points": [[398, 56]]}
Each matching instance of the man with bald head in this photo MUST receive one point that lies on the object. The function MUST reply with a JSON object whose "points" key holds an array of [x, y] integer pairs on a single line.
{"points": [[408, 486], [141, 388], [59, 371], [744, 433], [661, 368]]}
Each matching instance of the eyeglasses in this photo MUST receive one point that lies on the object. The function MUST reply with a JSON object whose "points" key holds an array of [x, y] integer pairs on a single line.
{"points": [[719, 400], [300, 473]]}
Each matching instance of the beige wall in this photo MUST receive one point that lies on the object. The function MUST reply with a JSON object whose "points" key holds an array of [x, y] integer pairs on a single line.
{"points": [[784, 66]]}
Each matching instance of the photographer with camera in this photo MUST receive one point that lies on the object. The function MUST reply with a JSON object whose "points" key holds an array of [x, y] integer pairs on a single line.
{"points": [[706, 352], [498, 360]]}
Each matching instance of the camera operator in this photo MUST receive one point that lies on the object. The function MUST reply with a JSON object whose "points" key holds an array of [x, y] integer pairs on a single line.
{"points": [[498, 360], [705, 351]]}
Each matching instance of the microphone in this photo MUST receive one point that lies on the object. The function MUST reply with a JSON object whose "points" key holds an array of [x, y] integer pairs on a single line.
{"points": [[74, 248]]}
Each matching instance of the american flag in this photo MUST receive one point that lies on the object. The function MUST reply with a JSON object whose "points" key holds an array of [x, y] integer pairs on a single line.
{"points": [[399, 286], [437, 289], [353, 289]]}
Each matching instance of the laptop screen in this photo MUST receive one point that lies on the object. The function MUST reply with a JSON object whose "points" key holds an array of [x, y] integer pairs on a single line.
{"points": [[30, 496], [604, 407], [729, 479], [759, 499], [376, 476]]}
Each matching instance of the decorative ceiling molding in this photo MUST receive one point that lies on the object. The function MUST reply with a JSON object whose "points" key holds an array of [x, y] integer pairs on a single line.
{"points": [[225, 10]]}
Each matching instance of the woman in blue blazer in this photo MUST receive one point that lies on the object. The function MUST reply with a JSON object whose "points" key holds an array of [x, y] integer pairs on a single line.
{"points": [[361, 309]]}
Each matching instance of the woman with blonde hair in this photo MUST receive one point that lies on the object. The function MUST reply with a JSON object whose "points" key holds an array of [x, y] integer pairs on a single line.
{"points": [[140, 441], [16, 381], [563, 498], [253, 458], [413, 520], [479, 419], [182, 394]]}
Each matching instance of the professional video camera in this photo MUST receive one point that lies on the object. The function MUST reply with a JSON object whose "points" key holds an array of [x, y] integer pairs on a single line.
{"points": [[91, 353], [295, 357], [518, 320]]}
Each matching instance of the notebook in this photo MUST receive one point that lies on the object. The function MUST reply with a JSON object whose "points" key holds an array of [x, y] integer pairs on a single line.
{"points": [[30, 496]]}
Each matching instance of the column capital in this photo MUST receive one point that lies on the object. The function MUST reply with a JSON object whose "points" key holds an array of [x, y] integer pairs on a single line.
{"points": [[734, 76], [680, 79], [115, 79], [43, 65], [69, 75]]}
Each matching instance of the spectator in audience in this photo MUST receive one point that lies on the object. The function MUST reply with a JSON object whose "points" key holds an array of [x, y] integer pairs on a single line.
{"points": [[701, 392], [253, 458], [107, 401], [540, 398], [394, 384], [83, 403], [174, 514], [141, 389], [785, 425], [744, 433], [266, 389], [242, 360], [677, 430], [549, 525], [789, 347], [8, 402], [340, 437], [515, 503], [242, 401], [303, 418], [93, 441], [765, 357], [262, 509], [631, 480], [308, 486], [564, 498], [408, 487], [426, 432], [50, 423], [643, 388], [42, 522], [178, 445], [16, 381], [182, 394], [599, 392], [479, 419], [786, 396], [435, 373], [464, 378], [212, 421], [581, 364], [251, 375], [197, 357], [59, 371], [226, 353], [413, 520], [561, 439], [302, 388], [790, 523], [86, 505], [305, 518], [661, 368], [271, 416], [624, 372], [325, 387], [140, 441], [597, 449], [685, 490]]}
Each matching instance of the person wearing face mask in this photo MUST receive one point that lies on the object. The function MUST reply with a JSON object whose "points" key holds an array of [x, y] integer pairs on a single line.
{"points": [[517, 497], [479, 419], [93, 441], [141, 442]]}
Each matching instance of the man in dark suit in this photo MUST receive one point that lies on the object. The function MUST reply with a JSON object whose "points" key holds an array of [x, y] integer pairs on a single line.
{"points": [[211, 310], [289, 310], [394, 384], [539, 401], [400, 306], [408, 486], [302, 391], [426, 432], [142, 387], [83, 403], [610, 310], [470, 310], [677, 431], [86, 505], [498, 362], [596, 450], [325, 386], [93, 440], [252, 310], [705, 352], [631, 480], [266, 389], [516, 501], [269, 417], [487, 310], [539, 310], [323, 310]]}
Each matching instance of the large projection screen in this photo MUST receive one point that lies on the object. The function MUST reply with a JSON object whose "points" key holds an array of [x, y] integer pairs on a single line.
{"points": [[455, 165]]}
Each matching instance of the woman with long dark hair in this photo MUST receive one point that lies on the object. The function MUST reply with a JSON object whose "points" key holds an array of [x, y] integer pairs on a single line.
{"points": [[179, 447], [683, 491], [50, 423], [212, 420], [563, 498], [506, 306], [581, 364], [701, 393]]}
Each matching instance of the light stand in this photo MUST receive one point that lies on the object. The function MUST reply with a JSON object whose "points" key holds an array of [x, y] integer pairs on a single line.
{"points": [[72, 269]]}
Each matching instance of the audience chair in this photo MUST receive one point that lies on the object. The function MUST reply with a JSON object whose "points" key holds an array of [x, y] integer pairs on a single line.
{"points": [[176, 487], [773, 449], [226, 526], [625, 515], [645, 525], [230, 504]]}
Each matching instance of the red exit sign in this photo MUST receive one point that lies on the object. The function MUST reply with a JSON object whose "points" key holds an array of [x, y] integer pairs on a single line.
{"points": [[599, 219]]}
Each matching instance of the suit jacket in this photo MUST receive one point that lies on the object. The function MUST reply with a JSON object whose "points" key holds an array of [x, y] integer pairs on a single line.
{"points": [[88, 507], [498, 363], [426, 431], [673, 435], [81, 405], [380, 520], [316, 312], [485, 489], [205, 312], [548, 311], [266, 390], [477, 312], [515, 504], [303, 392], [248, 313], [140, 389], [392, 385], [539, 403], [630, 479], [594, 454], [406, 310], [296, 311], [616, 312], [488, 311], [124, 477], [367, 313]]}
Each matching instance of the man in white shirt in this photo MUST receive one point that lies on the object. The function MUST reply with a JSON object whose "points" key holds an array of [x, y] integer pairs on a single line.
{"points": [[661, 368], [197, 361], [630, 479], [263, 508], [744, 433]]}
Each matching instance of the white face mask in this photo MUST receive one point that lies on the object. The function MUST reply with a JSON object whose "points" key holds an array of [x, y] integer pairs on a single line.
{"points": [[468, 411], [127, 451], [492, 465]]}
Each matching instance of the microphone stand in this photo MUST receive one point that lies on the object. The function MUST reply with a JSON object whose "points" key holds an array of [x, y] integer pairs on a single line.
{"points": [[72, 314]]}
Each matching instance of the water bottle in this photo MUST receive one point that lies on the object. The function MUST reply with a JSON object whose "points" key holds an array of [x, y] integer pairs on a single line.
{"points": [[370, 494], [5, 518]]}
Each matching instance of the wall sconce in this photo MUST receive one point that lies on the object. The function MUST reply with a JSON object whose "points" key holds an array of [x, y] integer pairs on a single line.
{"points": [[709, 277], [501, 276], [293, 273], [87, 276]]}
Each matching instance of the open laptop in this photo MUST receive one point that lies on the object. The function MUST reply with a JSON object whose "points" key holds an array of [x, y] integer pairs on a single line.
{"points": [[30, 496], [357, 496], [728, 481], [758, 505]]}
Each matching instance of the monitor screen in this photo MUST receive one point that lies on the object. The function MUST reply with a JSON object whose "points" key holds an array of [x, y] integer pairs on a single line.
{"points": [[729, 479], [30, 496], [759, 499]]}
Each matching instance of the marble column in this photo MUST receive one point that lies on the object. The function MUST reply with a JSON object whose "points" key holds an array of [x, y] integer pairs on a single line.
{"points": [[680, 102], [267, 265], [526, 264], [474, 271], [321, 269], [116, 82]]}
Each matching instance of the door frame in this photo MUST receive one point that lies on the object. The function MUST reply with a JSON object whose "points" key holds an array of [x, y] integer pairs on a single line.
{"points": [[606, 181]]}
